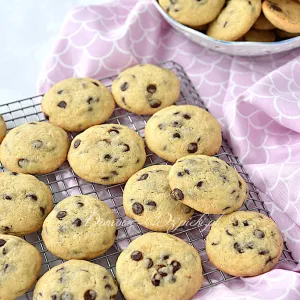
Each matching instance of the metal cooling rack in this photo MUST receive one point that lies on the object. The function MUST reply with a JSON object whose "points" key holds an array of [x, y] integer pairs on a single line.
{"points": [[63, 183]]}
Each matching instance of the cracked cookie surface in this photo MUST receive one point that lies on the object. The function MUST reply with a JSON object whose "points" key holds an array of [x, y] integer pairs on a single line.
{"points": [[145, 89], [177, 131], [158, 266], [75, 104], [25, 202], [79, 227], [244, 243], [207, 184], [34, 148], [76, 280], [107, 154]]}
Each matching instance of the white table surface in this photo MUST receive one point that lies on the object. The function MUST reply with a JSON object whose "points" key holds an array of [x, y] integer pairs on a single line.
{"points": [[28, 30]]}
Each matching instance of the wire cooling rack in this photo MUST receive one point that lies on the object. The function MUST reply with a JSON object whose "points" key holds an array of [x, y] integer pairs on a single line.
{"points": [[63, 183]]}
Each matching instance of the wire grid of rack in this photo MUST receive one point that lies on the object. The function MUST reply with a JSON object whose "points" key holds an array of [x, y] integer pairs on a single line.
{"points": [[63, 183]]}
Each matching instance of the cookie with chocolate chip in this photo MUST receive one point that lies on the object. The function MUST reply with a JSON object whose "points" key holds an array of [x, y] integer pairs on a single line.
{"points": [[244, 243], [284, 15], [145, 89], [20, 265], [235, 19], [107, 154], [207, 184], [254, 35], [76, 279], [159, 266], [177, 131], [76, 104], [192, 12], [24, 203], [34, 148], [262, 23], [155, 210], [79, 227], [2, 129]]}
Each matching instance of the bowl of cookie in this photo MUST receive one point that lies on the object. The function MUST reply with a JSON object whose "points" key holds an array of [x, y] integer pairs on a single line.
{"points": [[236, 27]]}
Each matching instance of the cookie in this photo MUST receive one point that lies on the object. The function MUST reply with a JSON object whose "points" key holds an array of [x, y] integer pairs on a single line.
{"points": [[178, 131], [159, 266], [34, 148], [192, 13], [24, 203], [76, 279], [244, 243], [262, 23], [283, 14], [75, 104], [2, 129], [145, 89], [79, 227], [281, 34], [207, 184], [235, 20], [107, 154], [155, 210], [260, 36], [20, 265]]}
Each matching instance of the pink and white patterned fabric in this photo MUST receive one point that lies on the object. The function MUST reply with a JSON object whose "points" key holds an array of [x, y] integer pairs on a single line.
{"points": [[257, 100]]}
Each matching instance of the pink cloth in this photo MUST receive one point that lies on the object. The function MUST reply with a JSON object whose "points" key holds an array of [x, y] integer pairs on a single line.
{"points": [[257, 100]]}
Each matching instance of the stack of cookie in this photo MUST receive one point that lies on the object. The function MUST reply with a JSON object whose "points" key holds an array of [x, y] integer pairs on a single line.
{"points": [[161, 198], [238, 20]]}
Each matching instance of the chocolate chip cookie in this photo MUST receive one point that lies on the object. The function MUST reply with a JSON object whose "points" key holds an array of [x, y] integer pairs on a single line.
{"points": [[2, 129], [254, 35], [235, 19], [145, 89], [20, 265], [244, 243], [76, 279], [159, 266], [192, 13], [207, 184], [34, 148], [147, 199], [24, 203], [181, 130], [75, 104], [284, 14], [262, 23], [107, 154], [79, 227]]}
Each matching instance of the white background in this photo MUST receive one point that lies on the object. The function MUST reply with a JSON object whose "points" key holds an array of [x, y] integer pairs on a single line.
{"points": [[28, 30]]}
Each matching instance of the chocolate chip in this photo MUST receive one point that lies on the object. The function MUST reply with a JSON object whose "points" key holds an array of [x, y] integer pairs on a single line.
{"points": [[95, 83], [42, 209], [187, 117], [225, 24], [89, 100], [23, 162], [240, 184], [66, 296], [90, 295], [151, 88], [7, 197], [5, 228], [275, 7], [107, 157], [90, 109], [46, 116], [108, 287], [250, 245], [235, 223], [60, 92], [192, 148], [177, 194], [62, 104], [61, 215], [160, 126], [176, 124], [37, 144], [136, 255], [233, 192], [161, 272], [199, 184], [77, 143], [154, 103], [227, 207], [137, 208], [123, 100], [54, 297], [126, 147], [80, 204], [77, 222], [263, 252], [259, 234], [270, 259], [149, 263], [32, 196], [143, 177], [152, 205], [2, 242], [156, 280], [180, 174], [176, 266], [114, 173], [5, 267], [4, 251], [113, 131], [228, 232], [238, 248], [124, 86], [246, 223], [215, 244], [105, 178], [176, 136], [13, 173]]}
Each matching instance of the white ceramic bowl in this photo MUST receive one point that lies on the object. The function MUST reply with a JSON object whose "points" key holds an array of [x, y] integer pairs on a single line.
{"points": [[231, 48]]}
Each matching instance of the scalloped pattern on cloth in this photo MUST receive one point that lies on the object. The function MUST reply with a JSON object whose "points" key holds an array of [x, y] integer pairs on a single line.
{"points": [[257, 100]]}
